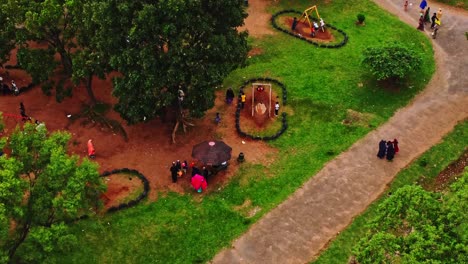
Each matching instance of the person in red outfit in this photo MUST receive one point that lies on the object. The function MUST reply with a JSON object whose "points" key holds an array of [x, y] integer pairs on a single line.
{"points": [[395, 145], [91, 150]]}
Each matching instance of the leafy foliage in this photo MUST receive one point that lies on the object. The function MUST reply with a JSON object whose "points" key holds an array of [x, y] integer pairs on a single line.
{"points": [[162, 47], [391, 62], [361, 18], [417, 226], [41, 188]]}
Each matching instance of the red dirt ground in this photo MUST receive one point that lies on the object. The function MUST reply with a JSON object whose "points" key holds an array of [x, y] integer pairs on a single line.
{"points": [[149, 148], [303, 29]]}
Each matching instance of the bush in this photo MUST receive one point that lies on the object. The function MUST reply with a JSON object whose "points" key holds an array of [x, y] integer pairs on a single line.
{"points": [[361, 18], [391, 62]]}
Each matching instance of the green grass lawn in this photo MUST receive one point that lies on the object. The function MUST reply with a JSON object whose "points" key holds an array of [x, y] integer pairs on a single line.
{"points": [[428, 166], [457, 3], [323, 84]]}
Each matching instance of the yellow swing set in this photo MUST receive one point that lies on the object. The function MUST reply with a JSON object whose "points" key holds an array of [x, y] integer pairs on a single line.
{"points": [[306, 16]]}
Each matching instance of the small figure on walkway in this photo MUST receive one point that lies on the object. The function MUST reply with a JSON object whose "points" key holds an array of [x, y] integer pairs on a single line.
{"points": [[243, 97], [433, 19], [229, 95], [173, 171], [184, 167], [91, 150], [439, 14], [178, 165], [423, 5], [294, 24], [382, 149], [217, 118], [390, 151], [406, 5], [436, 28], [395, 145], [205, 172], [23, 112], [427, 15], [277, 107], [421, 22], [15, 88]]}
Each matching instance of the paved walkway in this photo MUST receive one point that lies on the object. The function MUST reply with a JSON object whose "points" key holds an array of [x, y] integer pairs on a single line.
{"points": [[300, 227]]}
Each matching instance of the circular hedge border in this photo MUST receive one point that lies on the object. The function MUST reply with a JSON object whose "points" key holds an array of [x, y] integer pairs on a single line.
{"points": [[320, 45], [284, 122], [142, 195]]}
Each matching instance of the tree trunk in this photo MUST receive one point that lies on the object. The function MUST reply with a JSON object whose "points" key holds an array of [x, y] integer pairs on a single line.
{"points": [[24, 234], [89, 89], [66, 60]]}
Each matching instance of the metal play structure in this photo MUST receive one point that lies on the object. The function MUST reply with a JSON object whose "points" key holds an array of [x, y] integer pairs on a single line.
{"points": [[307, 14], [260, 106]]}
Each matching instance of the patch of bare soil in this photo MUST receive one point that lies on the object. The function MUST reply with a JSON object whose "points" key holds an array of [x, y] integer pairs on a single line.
{"points": [[450, 174], [258, 21], [121, 188], [304, 30]]}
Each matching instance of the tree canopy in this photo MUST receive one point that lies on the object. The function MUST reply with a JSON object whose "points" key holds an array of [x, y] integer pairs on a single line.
{"points": [[169, 46], [158, 47], [417, 226], [391, 62], [41, 189]]}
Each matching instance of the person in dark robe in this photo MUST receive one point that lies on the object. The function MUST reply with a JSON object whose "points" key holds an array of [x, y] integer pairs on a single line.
{"points": [[427, 15], [205, 172], [23, 111], [395, 145], [433, 19], [196, 170], [382, 149], [229, 95], [421, 23], [294, 24], [174, 171], [390, 151]]}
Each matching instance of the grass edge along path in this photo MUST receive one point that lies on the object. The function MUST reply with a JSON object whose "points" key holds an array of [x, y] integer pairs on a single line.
{"points": [[429, 165]]}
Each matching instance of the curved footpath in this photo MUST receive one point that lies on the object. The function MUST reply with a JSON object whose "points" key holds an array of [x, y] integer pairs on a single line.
{"points": [[301, 226]]}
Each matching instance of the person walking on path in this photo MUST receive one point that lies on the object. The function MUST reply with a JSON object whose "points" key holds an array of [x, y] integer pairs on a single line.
{"points": [[439, 15], [174, 171], [421, 22], [436, 28], [433, 19], [427, 15], [423, 5], [229, 95], [382, 149], [91, 150], [390, 151], [277, 107], [406, 5], [395, 145]]}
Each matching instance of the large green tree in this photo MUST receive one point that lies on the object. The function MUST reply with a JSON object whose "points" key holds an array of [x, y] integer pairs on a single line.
{"points": [[417, 226], [61, 27], [41, 189], [166, 46]]}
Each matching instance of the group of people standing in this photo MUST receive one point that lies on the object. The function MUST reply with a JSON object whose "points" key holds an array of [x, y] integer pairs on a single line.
{"points": [[425, 17], [388, 149], [178, 169]]}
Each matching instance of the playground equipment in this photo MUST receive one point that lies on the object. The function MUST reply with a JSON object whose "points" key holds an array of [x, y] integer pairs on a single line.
{"points": [[306, 17], [260, 107]]}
